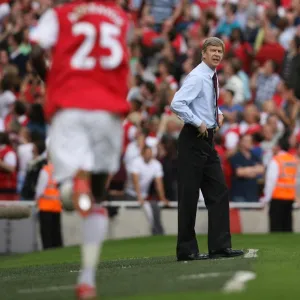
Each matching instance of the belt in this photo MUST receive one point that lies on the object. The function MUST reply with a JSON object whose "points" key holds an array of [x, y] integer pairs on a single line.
{"points": [[196, 129]]}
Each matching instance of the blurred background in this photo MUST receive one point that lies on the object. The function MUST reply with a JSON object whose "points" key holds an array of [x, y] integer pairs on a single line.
{"points": [[259, 94]]}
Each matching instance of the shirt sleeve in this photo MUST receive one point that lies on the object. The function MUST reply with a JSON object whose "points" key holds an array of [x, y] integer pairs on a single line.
{"points": [[271, 179], [41, 184], [159, 170], [11, 159], [45, 34], [189, 91], [135, 167]]}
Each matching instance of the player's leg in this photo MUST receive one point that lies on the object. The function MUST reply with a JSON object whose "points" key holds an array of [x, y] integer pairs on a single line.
{"points": [[95, 226], [105, 134]]}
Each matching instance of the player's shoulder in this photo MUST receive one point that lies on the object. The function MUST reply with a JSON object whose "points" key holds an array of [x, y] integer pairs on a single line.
{"points": [[78, 9]]}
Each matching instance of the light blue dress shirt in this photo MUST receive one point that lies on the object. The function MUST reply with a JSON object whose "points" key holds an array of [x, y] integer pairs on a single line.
{"points": [[195, 101]]}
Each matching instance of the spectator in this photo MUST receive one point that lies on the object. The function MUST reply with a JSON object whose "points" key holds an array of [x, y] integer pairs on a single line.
{"points": [[241, 49], [37, 120], [8, 169], [295, 69], [234, 82], [265, 82], [162, 12], [143, 170], [17, 56], [25, 153], [290, 108], [280, 188], [33, 170], [7, 96], [246, 168], [271, 49], [229, 22], [50, 208]]}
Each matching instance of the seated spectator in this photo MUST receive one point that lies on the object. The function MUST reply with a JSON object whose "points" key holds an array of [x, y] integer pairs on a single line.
{"points": [[246, 167], [143, 170]]}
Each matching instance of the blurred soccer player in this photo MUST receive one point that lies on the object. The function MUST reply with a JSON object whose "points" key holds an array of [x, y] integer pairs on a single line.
{"points": [[86, 94]]}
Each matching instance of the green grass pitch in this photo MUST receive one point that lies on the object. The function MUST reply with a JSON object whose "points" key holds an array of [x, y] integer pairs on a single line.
{"points": [[145, 269]]}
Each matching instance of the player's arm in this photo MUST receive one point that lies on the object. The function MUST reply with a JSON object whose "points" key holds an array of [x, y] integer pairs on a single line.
{"points": [[43, 37]]}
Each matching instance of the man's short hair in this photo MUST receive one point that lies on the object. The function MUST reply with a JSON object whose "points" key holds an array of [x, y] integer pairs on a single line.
{"points": [[213, 41], [283, 143]]}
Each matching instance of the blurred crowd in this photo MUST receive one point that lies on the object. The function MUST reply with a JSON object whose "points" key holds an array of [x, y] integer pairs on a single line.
{"points": [[259, 89]]}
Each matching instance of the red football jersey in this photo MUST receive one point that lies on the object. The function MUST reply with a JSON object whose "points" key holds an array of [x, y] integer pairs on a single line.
{"points": [[89, 58]]}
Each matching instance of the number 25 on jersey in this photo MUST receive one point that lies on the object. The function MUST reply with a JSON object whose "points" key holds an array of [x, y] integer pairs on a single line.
{"points": [[109, 38]]}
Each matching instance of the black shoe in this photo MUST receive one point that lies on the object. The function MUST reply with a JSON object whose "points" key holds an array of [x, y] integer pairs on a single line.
{"points": [[227, 252], [197, 256]]}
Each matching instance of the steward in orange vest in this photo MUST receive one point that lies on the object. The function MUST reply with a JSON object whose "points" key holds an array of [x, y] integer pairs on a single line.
{"points": [[50, 200], [283, 171], [49, 205]]}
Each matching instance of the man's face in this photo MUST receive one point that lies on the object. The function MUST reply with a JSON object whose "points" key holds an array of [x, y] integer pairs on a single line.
{"points": [[147, 154], [247, 142], [213, 56]]}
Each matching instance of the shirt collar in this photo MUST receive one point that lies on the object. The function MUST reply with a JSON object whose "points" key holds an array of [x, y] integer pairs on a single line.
{"points": [[204, 67]]}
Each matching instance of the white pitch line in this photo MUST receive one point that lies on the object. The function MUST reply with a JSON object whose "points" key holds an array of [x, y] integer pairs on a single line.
{"points": [[46, 289], [237, 283], [202, 276], [75, 271], [252, 253]]}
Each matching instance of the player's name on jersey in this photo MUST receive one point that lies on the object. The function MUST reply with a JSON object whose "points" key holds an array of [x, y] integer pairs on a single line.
{"points": [[93, 8]]}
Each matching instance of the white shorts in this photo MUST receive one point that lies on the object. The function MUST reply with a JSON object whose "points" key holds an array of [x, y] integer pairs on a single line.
{"points": [[87, 140]]}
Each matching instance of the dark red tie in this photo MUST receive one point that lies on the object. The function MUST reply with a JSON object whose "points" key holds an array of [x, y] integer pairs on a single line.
{"points": [[215, 83]]}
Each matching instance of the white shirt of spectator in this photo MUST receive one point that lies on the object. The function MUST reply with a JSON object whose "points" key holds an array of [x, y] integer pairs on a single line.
{"points": [[7, 98], [10, 158], [236, 84], [46, 32], [132, 152], [147, 173], [41, 184], [25, 155]]}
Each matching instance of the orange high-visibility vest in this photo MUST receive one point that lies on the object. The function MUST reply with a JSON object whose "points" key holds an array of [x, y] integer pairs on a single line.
{"points": [[285, 188], [50, 200]]}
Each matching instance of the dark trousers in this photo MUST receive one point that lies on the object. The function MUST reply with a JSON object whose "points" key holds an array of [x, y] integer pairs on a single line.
{"points": [[50, 228], [281, 215], [199, 167]]}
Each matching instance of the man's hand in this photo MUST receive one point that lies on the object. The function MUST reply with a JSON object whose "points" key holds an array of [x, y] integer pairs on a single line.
{"points": [[202, 130], [221, 120], [166, 202], [141, 200]]}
